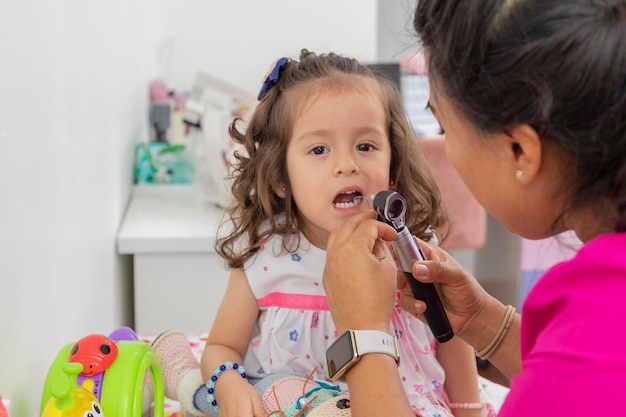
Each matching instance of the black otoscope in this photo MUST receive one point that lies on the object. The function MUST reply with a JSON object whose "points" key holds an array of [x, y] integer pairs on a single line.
{"points": [[391, 208]]}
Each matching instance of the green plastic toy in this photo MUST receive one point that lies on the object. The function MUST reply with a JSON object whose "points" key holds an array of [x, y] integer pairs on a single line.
{"points": [[134, 374]]}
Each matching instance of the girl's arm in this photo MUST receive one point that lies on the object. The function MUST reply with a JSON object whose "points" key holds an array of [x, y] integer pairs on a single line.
{"points": [[461, 384], [228, 341]]}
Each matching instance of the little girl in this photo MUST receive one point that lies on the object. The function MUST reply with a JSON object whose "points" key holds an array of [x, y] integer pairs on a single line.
{"points": [[326, 135]]}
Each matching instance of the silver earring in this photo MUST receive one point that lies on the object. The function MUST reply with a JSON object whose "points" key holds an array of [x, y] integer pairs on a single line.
{"points": [[283, 189], [519, 174]]}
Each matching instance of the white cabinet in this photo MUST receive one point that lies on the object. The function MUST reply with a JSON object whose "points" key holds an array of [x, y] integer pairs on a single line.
{"points": [[179, 280]]}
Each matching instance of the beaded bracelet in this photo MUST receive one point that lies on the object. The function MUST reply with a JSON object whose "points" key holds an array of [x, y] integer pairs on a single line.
{"points": [[216, 374], [467, 406]]}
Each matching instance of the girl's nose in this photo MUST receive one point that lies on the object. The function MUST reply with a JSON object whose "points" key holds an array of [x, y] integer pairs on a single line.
{"points": [[345, 165]]}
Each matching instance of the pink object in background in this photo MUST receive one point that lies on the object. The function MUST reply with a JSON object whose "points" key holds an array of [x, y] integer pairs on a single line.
{"points": [[540, 255], [414, 64], [179, 100], [537, 256], [468, 219], [159, 91], [3, 410]]}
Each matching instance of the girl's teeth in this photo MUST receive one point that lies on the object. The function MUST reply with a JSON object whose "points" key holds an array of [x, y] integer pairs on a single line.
{"points": [[357, 200]]}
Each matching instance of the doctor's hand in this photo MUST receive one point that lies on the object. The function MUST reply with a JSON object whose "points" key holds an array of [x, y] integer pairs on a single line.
{"points": [[462, 296], [360, 274]]}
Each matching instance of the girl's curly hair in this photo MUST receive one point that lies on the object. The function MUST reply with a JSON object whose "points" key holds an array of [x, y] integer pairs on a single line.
{"points": [[264, 164]]}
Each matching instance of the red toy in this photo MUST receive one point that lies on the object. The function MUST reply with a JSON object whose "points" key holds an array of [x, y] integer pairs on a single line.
{"points": [[3, 410], [95, 352]]}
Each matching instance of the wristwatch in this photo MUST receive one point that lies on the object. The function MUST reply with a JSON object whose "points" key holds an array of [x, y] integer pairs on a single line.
{"points": [[351, 345]]}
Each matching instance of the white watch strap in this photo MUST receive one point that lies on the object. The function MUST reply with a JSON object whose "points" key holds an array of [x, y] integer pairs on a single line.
{"points": [[374, 341]]}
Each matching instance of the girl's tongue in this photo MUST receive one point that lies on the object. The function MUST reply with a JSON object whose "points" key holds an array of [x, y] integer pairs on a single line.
{"points": [[348, 199]]}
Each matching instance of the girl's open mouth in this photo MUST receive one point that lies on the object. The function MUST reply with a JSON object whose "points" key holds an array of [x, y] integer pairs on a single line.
{"points": [[348, 199]]}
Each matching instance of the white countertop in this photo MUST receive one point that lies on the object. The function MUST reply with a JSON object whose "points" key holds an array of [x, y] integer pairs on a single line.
{"points": [[168, 219]]}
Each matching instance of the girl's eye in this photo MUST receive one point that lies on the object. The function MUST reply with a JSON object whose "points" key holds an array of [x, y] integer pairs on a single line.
{"points": [[365, 147], [318, 150], [441, 131]]}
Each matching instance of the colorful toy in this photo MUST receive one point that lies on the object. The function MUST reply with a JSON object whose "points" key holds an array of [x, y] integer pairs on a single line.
{"points": [[3, 409], [96, 353], [126, 370], [336, 407], [294, 396], [70, 400], [163, 163]]}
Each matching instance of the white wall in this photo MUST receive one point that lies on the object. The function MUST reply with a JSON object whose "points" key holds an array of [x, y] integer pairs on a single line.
{"points": [[396, 36], [237, 40], [73, 97], [73, 78]]}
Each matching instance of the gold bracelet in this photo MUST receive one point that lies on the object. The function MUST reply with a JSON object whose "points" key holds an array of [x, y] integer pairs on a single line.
{"points": [[497, 339]]}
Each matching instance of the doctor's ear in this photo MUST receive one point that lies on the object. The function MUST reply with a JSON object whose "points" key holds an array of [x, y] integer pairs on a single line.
{"points": [[526, 151]]}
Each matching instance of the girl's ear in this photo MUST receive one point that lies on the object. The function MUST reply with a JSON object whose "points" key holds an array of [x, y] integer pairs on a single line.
{"points": [[279, 189], [527, 152]]}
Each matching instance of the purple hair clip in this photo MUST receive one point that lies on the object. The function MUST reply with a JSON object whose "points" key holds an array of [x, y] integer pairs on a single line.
{"points": [[271, 76]]}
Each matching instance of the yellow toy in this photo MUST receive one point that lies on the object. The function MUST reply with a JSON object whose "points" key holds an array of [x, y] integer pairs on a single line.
{"points": [[70, 400]]}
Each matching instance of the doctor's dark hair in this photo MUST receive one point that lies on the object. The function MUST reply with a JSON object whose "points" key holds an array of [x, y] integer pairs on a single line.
{"points": [[558, 66], [262, 167]]}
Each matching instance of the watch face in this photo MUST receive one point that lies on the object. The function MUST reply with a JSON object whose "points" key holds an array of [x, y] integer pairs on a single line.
{"points": [[340, 355]]}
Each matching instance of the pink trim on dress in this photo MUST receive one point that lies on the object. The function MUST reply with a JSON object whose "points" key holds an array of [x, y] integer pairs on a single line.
{"points": [[294, 301]]}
